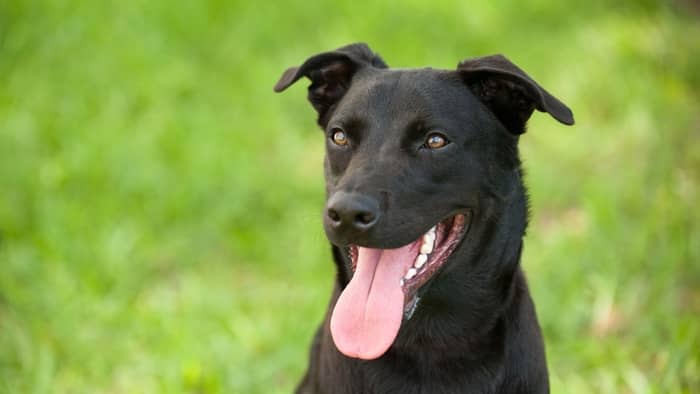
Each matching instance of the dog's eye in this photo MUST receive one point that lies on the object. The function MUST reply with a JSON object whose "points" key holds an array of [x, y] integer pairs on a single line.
{"points": [[339, 137], [436, 141]]}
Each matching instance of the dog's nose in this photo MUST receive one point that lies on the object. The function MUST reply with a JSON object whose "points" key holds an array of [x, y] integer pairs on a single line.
{"points": [[352, 211]]}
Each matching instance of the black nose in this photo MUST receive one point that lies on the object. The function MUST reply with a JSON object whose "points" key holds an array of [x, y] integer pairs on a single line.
{"points": [[352, 211]]}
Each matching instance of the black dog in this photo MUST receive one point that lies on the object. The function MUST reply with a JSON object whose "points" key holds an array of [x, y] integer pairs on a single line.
{"points": [[426, 212]]}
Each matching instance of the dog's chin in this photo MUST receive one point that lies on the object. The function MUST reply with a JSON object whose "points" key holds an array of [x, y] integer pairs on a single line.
{"points": [[433, 250]]}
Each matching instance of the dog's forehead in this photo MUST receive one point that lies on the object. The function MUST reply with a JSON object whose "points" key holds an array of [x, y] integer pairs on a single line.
{"points": [[388, 93]]}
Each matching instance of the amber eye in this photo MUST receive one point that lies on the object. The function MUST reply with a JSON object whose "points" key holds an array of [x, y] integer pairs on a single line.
{"points": [[436, 141], [339, 137]]}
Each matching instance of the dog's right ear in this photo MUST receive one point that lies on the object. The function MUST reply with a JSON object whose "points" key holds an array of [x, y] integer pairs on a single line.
{"points": [[330, 74]]}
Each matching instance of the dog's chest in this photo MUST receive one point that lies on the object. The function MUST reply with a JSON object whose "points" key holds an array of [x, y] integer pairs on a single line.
{"points": [[347, 376]]}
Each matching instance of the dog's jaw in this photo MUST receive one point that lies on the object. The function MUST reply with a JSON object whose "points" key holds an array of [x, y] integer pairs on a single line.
{"points": [[434, 249], [385, 286]]}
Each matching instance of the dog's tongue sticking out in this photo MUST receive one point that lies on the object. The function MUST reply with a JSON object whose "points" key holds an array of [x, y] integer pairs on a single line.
{"points": [[368, 314]]}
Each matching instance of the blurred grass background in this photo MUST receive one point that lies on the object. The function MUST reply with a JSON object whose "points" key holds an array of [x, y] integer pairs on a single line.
{"points": [[160, 207]]}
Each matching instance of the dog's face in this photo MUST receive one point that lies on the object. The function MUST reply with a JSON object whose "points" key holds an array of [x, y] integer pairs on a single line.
{"points": [[412, 157], [406, 148]]}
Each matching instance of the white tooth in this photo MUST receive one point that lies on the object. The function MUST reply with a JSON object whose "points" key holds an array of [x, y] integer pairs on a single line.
{"points": [[420, 260], [427, 246], [432, 230], [411, 273], [402, 281]]}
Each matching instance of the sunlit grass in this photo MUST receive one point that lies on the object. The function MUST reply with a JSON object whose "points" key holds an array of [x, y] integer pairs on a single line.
{"points": [[159, 206]]}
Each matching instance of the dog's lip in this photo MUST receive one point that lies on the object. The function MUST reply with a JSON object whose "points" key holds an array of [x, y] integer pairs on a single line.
{"points": [[459, 225], [449, 233]]}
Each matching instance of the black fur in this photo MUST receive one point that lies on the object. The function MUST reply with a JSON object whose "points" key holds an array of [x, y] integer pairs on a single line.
{"points": [[475, 329]]}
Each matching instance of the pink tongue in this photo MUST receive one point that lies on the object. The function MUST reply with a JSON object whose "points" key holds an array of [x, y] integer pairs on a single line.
{"points": [[368, 314]]}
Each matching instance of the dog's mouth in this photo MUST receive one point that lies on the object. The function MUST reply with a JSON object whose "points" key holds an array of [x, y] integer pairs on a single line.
{"points": [[431, 252], [385, 288]]}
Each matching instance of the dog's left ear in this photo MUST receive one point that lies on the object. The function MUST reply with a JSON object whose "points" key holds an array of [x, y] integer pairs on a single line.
{"points": [[509, 92], [330, 74]]}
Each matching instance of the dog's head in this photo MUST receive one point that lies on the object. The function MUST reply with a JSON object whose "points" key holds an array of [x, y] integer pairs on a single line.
{"points": [[414, 157]]}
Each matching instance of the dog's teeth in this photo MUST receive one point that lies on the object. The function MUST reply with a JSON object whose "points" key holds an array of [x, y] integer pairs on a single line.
{"points": [[427, 246], [411, 273], [428, 241], [402, 282], [420, 260]]}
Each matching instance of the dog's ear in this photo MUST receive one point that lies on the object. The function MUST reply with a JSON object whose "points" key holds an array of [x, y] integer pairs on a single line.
{"points": [[509, 92], [330, 74]]}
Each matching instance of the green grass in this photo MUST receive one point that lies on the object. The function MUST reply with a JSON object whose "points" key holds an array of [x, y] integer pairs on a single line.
{"points": [[160, 207]]}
